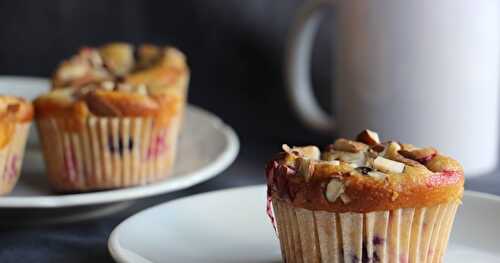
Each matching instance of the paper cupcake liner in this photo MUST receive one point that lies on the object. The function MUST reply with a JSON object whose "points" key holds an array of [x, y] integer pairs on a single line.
{"points": [[11, 158], [409, 235], [107, 152]]}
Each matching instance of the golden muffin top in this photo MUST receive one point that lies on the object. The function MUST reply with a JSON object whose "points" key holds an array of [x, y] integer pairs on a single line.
{"points": [[364, 175], [117, 81], [13, 111]]}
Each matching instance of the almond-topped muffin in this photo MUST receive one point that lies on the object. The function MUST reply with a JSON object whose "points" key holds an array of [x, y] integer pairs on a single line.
{"points": [[364, 201], [16, 115], [113, 116]]}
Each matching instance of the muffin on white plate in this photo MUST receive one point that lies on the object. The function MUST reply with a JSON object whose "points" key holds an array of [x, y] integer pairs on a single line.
{"points": [[113, 116], [16, 115], [364, 201]]}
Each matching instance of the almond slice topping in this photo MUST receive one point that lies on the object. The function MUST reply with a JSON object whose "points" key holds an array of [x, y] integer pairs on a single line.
{"points": [[308, 152], [305, 167], [334, 189], [349, 146], [368, 137], [419, 154], [387, 165]]}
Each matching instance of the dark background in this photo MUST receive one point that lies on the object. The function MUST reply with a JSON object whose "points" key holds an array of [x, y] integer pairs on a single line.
{"points": [[235, 50]]}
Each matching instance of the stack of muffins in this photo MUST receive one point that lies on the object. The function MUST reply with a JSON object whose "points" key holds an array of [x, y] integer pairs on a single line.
{"points": [[363, 201], [111, 120]]}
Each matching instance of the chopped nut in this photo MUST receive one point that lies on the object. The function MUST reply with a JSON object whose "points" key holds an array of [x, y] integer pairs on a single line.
{"points": [[378, 148], [377, 175], [305, 167], [392, 147], [310, 152], [334, 189], [349, 146], [100, 106], [419, 154], [407, 147], [368, 137], [70, 71], [393, 151], [358, 158], [387, 165]]}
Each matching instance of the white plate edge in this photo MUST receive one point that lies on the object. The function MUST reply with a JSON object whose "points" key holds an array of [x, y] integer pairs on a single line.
{"points": [[223, 161], [122, 255], [114, 246]]}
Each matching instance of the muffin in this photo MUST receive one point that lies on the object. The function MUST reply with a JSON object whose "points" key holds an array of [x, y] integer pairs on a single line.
{"points": [[363, 201], [112, 117], [15, 120]]}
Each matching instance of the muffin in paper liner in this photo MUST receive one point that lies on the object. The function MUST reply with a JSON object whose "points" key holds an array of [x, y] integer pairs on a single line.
{"points": [[16, 115], [108, 152], [11, 158], [363, 201], [113, 116], [401, 235]]}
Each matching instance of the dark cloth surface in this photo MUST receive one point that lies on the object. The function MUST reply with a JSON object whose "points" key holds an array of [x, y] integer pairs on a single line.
{"points": [[236, 52]]}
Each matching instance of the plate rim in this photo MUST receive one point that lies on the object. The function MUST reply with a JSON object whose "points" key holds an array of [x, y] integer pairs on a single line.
{"points": [[120, 254], [226, 158]]}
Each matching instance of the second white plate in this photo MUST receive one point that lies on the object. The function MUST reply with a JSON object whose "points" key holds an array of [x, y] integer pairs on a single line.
{"points": [[207, 146], [231, 226]]}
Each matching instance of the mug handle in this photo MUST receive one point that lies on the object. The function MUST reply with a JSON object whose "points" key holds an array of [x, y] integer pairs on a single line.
{"points": [[298, 59]]}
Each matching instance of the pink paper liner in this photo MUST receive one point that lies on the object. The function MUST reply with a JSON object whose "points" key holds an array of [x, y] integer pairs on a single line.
{"points": [[408, 235], [108, 152], [11, 157]]}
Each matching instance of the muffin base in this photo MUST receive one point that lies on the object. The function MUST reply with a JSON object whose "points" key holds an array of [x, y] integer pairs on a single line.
{"points": [[107, 153], [11, 158], [404, 235]]}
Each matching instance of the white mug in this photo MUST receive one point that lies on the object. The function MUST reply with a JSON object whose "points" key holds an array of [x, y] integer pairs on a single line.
{"points": [[422, 71]]}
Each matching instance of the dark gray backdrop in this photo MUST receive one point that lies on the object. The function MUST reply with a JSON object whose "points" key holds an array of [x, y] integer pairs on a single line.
{"points": [[235, 49]]}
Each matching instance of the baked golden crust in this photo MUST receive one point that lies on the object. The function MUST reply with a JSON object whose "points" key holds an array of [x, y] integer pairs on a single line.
{"points": [[13, 110], [111, 82], [364, 180]]}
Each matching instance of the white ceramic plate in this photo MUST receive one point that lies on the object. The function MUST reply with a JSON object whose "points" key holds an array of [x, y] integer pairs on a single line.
{"points": [[232, 226], [207, 146]]}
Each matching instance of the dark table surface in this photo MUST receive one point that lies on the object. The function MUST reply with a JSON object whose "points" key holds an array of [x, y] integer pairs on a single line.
{"points": [[87, 241]]}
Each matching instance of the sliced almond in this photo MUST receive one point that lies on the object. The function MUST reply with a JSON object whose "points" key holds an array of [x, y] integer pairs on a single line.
{"points": [[377, 175], [309, 152], [368, 137], [387, 165], [419, 154], [357, 159], [378, 148], [408, 147], [305, 167], [392, 147], [349, 146], [98, 105], [334, 189]]}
